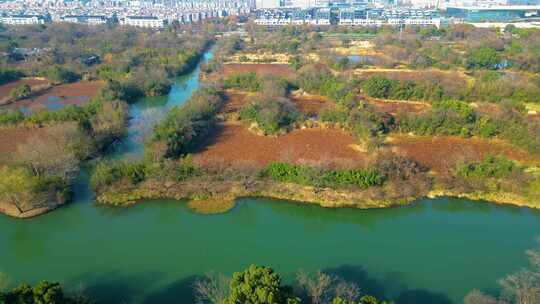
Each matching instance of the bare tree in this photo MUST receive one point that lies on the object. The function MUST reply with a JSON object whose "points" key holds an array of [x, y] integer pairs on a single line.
{"points": [[51, 153], [110, 121], [318, 287], [534, 259], [213, 288], [347, 291], [477, 297], [523, 287]]}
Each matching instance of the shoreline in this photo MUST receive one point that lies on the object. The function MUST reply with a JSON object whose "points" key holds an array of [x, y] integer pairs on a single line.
{"points": [[11, 211], [215, 203], [204, 202]]}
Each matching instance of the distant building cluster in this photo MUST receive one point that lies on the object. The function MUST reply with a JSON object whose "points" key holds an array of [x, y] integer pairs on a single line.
{"points": [[499, 13], [144, 13], [23, 19], [276, 17], [159, 13], [348, 16], [380, 17]]}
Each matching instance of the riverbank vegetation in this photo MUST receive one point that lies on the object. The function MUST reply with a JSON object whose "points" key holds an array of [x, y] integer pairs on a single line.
{"points": [[185, 127], [303, 175]]}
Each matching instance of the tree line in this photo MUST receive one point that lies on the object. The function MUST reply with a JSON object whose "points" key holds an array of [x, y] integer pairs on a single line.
{"points": [[255, 284]]}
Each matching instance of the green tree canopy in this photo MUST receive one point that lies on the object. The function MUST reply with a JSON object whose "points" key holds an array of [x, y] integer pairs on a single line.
{"points": [[256, 285], [483, 58]]}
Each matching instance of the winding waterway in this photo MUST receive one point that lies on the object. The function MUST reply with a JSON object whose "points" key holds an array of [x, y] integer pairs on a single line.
{"points": [[434, 251]]}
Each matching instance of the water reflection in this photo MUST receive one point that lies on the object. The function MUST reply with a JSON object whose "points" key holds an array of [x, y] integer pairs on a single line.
{"points": [[23, 245], [318, 217]]}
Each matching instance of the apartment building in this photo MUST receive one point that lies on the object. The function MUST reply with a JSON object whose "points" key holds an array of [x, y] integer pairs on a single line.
{"points": [[24, 19], [90, 20], [143, 21]]}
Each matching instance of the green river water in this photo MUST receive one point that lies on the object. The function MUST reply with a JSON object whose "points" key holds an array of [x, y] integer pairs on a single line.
{"points": [[434, 251]]}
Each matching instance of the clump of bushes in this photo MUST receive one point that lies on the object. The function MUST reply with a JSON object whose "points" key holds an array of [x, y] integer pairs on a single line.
{"points": [[452, 117], [59, 75], [107, 173], [495, 87], [148, 82], [378, 86], [272, 114], [383, 87], [483, 58], [444, 118], [185, 127], [367, 124], [114, 90], [270, 108], [20, 92], [137, 87], [246, 81], [494, 173], [319, 79], [11, 117], [490, 167], [304, 175], [156, 87]]}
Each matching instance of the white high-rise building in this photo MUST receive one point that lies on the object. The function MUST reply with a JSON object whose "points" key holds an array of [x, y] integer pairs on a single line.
{"points": [[268, 4], [303, 3]]}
